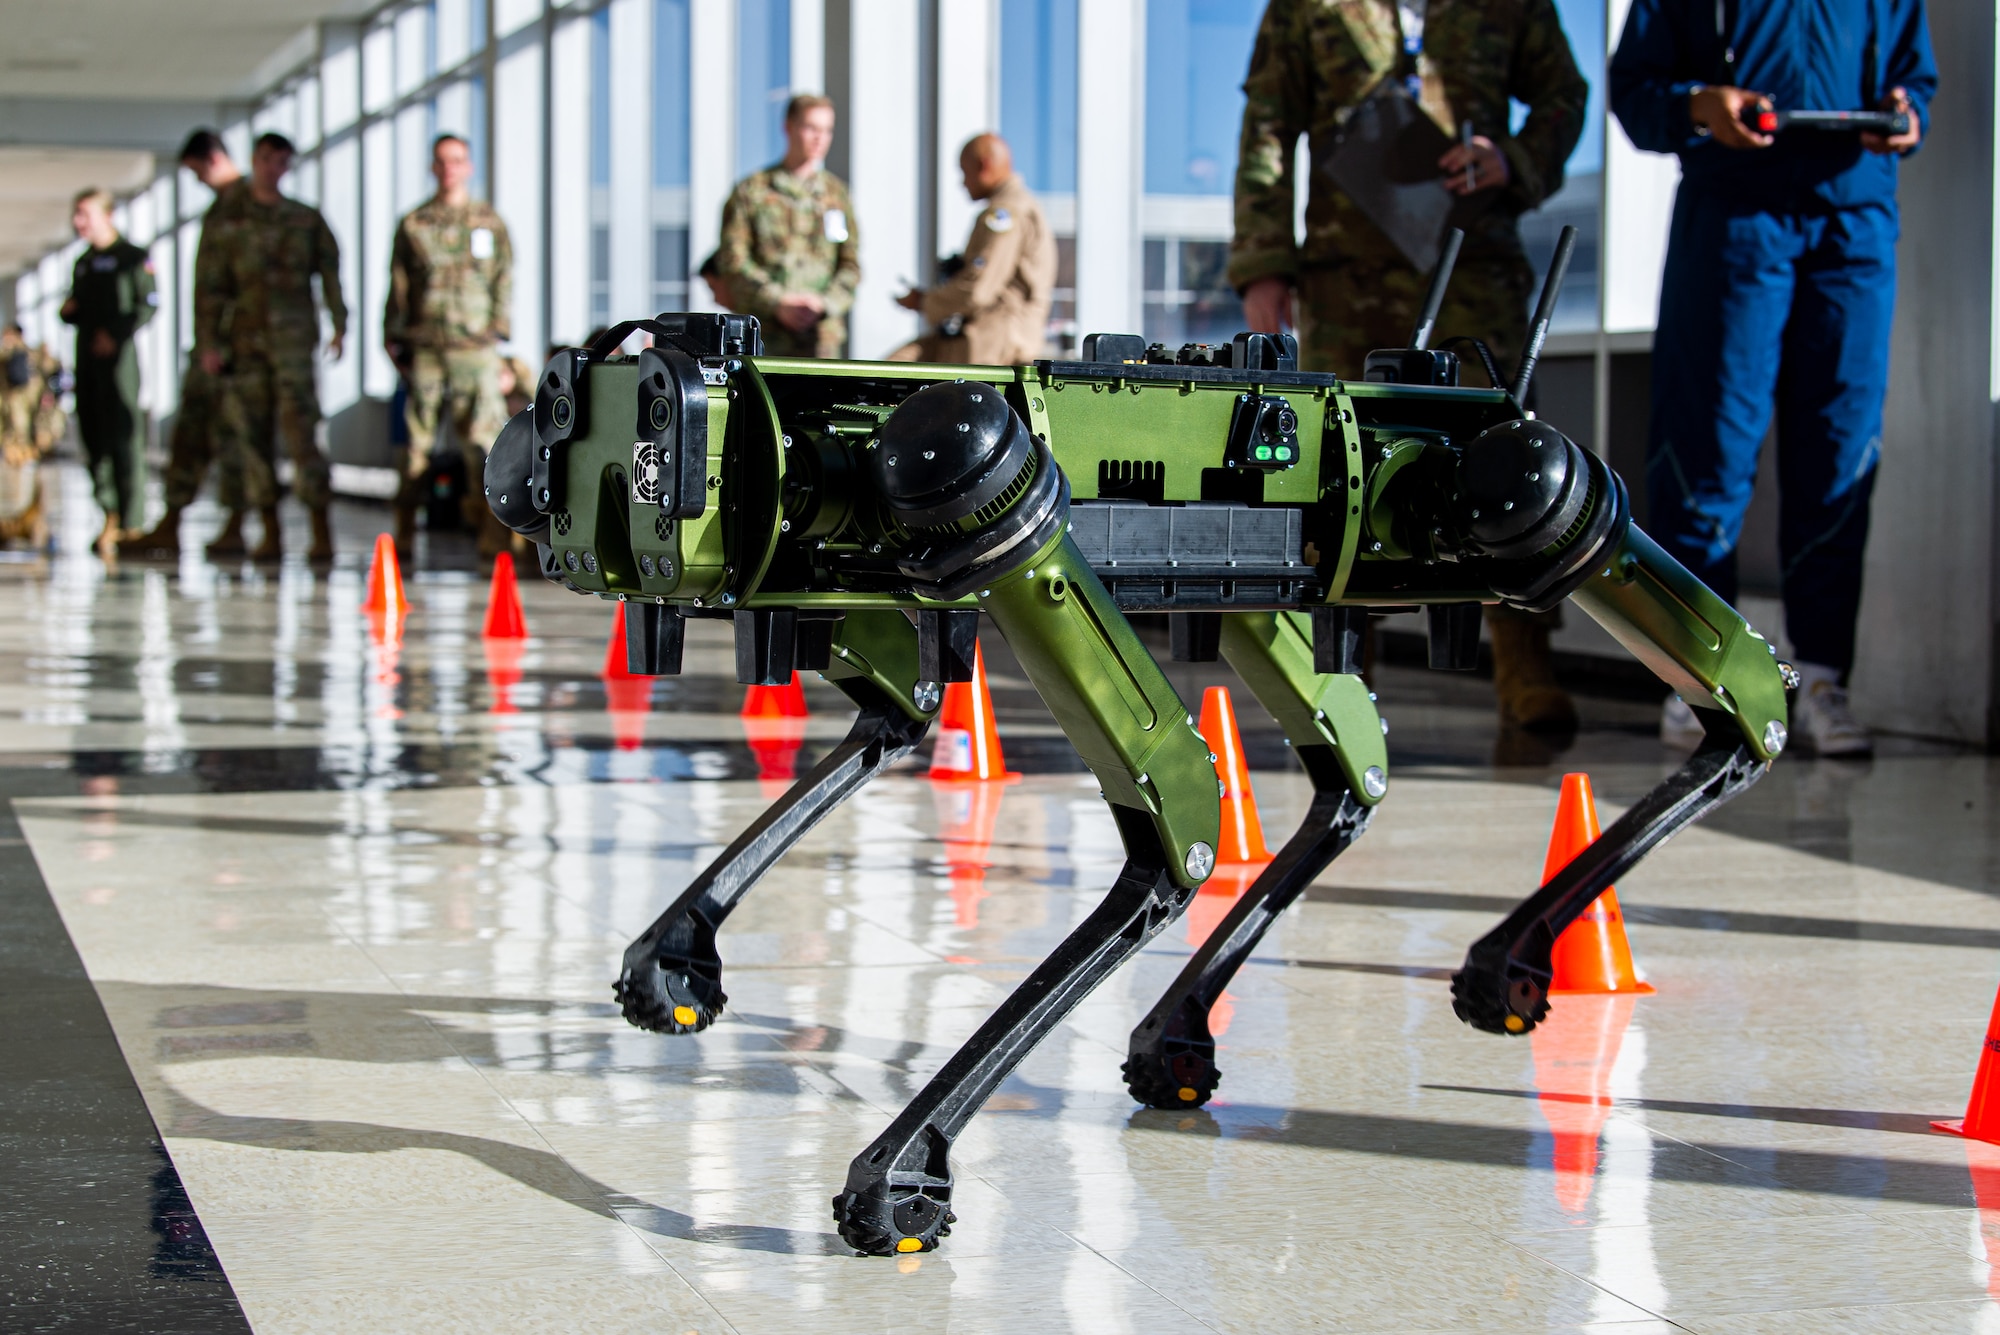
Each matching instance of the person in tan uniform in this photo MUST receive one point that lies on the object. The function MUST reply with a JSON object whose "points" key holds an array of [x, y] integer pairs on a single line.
{"points": [[993, 310]]}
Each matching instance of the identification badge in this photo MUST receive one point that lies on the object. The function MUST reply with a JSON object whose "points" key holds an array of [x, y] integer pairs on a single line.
{"points": [[104, 264], [482, 243], [836, 225]]}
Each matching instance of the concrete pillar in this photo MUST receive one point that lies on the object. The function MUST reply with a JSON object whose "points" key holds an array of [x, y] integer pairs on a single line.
{"points": [[881, 138], [631, 194], [1110, 165], [968, 103], [711, 133], [1929, 651], [569, 181], [518, 191]]}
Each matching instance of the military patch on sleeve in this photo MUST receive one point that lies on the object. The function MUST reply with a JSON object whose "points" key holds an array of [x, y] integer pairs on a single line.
{"points": [[998, 220], [836, 225]]}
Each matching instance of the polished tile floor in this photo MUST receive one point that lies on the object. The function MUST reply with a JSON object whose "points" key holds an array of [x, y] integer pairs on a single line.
{"points": [[352, 913]]}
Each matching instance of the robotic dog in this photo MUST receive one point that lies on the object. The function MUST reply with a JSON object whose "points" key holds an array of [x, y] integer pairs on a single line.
{"points": [[856, 518]]}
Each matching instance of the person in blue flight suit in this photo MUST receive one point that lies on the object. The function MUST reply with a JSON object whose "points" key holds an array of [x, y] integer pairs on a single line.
{"points": [[1779, 285]]}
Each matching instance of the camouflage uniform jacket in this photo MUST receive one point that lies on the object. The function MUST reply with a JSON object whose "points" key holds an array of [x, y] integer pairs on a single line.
{"points": [[1316, 60], [253, 279], [451, 278], [781, 234]]}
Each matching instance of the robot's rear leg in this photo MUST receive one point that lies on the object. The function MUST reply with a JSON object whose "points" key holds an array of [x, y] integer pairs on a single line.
{"points": [[1338, 737], [671, 981]]}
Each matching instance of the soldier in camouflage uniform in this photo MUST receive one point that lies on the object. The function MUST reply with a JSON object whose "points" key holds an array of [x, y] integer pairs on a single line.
{"points": [[451, 298], [1317, 60], [193, 445], [258, 328], [790, 254], [30, 424]]}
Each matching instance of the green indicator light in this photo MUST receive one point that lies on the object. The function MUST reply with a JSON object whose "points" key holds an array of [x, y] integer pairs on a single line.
{"points": [[1263, 451]]}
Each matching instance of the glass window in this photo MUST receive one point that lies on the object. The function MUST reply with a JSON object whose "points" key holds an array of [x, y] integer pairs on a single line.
{"points": [[340, 77], [416, 54], [670, 93], [1576, 204], [763, 81], [1197, 52], [600, 98], [670, 269], [378, 69], [452, 38], [1038, 90], [600, 276]]}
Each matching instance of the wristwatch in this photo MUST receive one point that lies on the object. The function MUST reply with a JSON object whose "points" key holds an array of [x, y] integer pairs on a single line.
{"points": [[1700, 131]]}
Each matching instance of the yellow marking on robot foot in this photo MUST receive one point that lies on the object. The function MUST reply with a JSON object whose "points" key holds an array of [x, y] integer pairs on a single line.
{"points": [[1515, 1024], [684, 1015], [1188, 1094], [909, 1244]]}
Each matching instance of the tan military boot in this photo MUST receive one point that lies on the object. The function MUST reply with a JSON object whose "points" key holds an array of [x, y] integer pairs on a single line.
{"points": [[272, 545], [229, 542], [1524, 682], [163, 540], [322, 546]]}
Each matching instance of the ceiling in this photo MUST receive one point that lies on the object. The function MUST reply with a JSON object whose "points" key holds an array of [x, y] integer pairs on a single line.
{"points": [[184, 50], [92, 90], [37, 185]]}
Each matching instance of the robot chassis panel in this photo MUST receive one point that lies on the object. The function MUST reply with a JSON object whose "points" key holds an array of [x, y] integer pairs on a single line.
{"points": [[855, 518]]}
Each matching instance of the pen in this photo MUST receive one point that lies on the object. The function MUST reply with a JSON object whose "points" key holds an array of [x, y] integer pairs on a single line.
{"points": [[1465, 139]]}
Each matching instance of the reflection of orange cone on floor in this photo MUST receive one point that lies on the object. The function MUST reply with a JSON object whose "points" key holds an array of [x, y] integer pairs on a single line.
{"points": [[968, 740], [385, 581], [1216, 896], [1982, 1109], [787, 701], [967, 815], [504, 619], [774, 741], [1592, 954], [503, 671], [1575, 1049], [1242, 833], [627, 698]]}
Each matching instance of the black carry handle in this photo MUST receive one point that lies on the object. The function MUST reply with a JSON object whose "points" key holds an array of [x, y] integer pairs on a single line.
{"points": [[698, 335], [1427, 319], [1545, 311]]}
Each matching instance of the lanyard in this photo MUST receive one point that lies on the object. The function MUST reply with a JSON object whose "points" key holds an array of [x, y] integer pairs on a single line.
{"points": [[1410, 22]]}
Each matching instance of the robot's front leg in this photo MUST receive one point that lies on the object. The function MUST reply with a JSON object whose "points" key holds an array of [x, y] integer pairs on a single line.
{"points": [[1134, 732], [671, 981], [1730, 675], [1337, 735]]}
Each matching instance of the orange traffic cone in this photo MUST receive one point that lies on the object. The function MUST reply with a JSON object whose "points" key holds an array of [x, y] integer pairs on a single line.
{"points": [[627, 700], [1982, 1109], [1575, 1049], [787, 701], [1242, 833], [967, 815], [1592, 954], [503, 671], [504, 619], [385, 581], [968, 740]]}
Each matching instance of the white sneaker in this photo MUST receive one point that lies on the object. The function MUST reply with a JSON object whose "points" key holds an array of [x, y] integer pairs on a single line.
{"points": [[1679, 726], [1821, 716]]}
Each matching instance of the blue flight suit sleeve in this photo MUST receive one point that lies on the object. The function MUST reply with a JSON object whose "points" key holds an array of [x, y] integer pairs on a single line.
{"points": [[1649, 76], [1910, 64]]}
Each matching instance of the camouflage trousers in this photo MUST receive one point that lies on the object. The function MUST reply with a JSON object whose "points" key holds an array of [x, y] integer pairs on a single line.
{"points": [[192, 448], [259, 402], [460, 386], [1349, 310], [824, 339]]}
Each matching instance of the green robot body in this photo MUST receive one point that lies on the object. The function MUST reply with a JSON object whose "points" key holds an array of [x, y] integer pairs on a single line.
{"points": [[856, 518]]}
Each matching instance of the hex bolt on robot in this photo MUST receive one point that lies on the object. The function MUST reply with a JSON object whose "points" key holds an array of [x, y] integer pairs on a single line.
{"points": [[855, 519]]}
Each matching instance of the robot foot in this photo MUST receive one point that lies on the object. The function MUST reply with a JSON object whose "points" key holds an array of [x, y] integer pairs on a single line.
{"points": [[886, 1219], [670, 992]]}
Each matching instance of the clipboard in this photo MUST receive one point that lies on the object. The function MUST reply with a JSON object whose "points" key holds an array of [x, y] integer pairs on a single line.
{"points": [[1385, 160]]}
